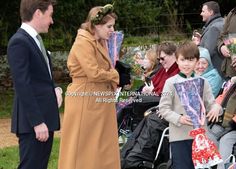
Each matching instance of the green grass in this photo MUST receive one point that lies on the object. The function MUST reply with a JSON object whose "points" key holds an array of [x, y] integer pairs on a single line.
{"points": [[6, 102], [9, 158], [6, 98], [140, 40]]}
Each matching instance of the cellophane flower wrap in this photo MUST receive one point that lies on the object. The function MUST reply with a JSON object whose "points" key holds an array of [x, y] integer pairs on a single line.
{"points": [[114, 45], [204, 151], [133, 57], [230, 42]]}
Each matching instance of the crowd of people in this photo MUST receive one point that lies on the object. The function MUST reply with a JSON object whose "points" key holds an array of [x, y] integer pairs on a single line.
{"points": [[89, 137]]}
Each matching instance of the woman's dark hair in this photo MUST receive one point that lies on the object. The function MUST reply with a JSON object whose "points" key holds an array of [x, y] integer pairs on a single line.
{"points": [[167, 47]]}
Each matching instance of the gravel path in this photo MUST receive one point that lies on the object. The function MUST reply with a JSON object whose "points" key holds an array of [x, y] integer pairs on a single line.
{"points": [[6, 137]]}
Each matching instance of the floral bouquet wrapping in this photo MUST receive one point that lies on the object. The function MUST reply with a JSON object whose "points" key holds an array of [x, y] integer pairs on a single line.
{"points": [[114, 45], [204, 152], [230, 42], [133, 57]]}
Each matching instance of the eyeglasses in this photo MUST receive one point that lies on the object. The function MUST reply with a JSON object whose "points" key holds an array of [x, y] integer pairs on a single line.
{"points": [[162, 58]]}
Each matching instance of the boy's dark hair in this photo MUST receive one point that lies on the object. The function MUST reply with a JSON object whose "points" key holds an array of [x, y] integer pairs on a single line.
{"points": [[28, 7], [188, 50], [212, 5]]}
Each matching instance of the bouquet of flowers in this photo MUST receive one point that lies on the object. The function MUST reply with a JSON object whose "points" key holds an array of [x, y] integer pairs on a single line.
{"points": [[134, 57], [114, 45], [230, 42], [204, 151]]}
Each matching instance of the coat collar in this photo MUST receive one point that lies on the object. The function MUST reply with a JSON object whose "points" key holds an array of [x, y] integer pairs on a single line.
{"points": [[184, 76], [22, 31], [103, 50], [212, 19]]}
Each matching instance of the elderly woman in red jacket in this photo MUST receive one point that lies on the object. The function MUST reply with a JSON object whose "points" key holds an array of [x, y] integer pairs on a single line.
{"points": [[166, 52]]}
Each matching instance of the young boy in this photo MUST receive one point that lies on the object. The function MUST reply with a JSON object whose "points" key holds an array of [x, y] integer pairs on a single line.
{"points": [[171, 108]]}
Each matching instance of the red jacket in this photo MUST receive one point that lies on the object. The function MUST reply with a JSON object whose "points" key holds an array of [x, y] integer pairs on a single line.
{"points": [[161, 76]]}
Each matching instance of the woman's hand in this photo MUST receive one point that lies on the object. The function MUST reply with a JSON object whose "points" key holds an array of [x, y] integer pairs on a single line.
{"points": [[225, 51], [147, 89]]}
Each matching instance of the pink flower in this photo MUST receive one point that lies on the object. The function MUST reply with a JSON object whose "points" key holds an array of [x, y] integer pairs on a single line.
{"points": [[230, 42]]}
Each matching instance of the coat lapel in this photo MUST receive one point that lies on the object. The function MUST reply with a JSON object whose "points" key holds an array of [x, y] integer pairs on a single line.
{"points": [[101, 49], [32, 41]]}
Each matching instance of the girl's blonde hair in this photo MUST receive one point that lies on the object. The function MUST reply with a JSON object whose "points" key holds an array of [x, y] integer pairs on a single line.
{"points": [[152, 56]]}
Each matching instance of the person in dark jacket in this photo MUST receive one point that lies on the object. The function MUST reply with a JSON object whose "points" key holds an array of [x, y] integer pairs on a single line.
{"points": [[227, 141], [35, 112], [228, 66], [211, 30]]}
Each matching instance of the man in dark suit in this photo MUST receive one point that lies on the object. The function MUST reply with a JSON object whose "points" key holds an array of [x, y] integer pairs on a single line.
{"points": [[35, 116]]}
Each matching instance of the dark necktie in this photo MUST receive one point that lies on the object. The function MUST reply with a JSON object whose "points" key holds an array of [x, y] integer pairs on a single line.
{"points": [[43, 50]]}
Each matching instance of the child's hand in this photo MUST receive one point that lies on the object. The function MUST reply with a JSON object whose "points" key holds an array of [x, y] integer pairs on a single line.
{"points": [[184, 119], [213, 114]]}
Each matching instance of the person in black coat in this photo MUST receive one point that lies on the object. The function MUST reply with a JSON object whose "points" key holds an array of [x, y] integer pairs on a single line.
{"points": [[211, 31]]}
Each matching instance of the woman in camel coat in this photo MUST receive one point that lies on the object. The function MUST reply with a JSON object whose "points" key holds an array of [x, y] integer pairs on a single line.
{"points": [[89, 138]]}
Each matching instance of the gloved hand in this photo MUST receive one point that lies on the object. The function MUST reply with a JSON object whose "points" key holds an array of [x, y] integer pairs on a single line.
{"points": [[147, 89], [124, 79]]}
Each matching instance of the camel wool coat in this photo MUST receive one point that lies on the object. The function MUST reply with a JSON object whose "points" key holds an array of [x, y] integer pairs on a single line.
{"points": [[89, 138]]}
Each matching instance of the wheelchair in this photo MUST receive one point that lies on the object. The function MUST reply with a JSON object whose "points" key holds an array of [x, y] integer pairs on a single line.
{"points": [[130, 116], [148, 145]]}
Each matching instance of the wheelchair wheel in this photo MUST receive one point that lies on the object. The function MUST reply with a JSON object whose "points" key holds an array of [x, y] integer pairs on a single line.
{"points": [[163, 166]]}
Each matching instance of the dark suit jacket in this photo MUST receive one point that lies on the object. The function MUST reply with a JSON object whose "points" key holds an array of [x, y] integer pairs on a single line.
{"points": [[35, 100], [210, 34]]}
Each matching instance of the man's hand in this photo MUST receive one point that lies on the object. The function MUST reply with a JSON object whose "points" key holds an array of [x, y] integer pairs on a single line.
{"points": [[41, 132]]}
